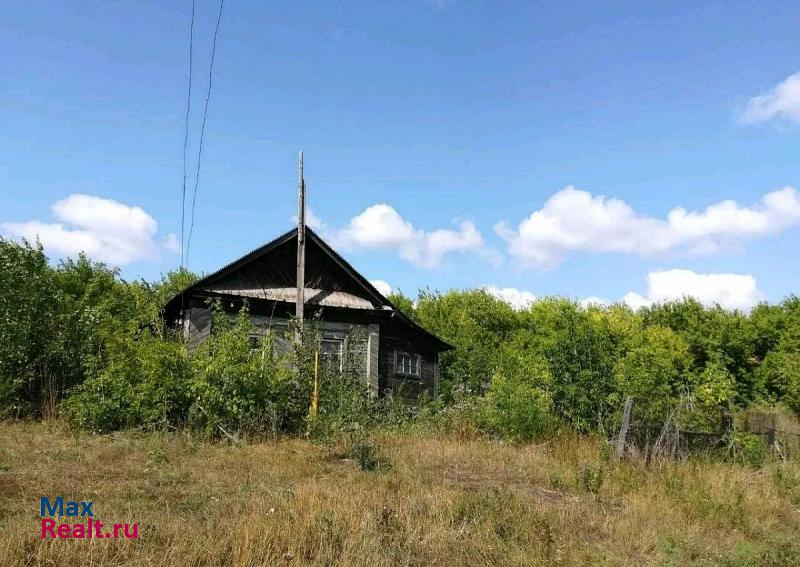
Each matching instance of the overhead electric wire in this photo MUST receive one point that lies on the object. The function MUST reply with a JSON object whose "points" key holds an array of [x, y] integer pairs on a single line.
{"points": [[186, 130], [203, 127]]}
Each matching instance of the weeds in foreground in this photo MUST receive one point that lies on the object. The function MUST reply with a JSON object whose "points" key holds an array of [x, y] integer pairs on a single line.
{"points": [[443, 500]]}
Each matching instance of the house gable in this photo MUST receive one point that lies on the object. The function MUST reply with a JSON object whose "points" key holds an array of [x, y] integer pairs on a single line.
{"points": [[272, 276], [268, 274]]}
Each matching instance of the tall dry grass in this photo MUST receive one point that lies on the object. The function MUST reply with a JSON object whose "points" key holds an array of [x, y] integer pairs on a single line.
{"points": [[436, 501]]}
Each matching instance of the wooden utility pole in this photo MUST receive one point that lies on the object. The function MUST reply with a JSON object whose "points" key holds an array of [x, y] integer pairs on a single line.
{"points": [[301, 244]]}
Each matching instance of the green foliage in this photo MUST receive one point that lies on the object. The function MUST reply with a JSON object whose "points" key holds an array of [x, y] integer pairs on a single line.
{"points": [[76, 332], [590, 477], [580, 353], [144, 385], [60, 325], [653, 372], [476, 324], [748, 449], [708, 360], [714, 392], [403, 303], [780, 371], [367, 455], [235, 388], [345, 403], [27, 311], [713, 335], [517, 409]]}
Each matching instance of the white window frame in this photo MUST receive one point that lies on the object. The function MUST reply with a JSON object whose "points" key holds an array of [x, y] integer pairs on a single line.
{"points": [[342, 348], [414, 360]]}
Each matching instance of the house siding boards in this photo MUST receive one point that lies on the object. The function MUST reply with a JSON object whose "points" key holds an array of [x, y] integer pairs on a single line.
{"points": [[410, 386], [197, 326], [354, 336], [361, 342], [345, 305], [373, 365]]}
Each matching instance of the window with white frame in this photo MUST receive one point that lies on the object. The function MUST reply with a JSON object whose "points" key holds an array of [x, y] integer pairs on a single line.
{"points": [[331, 352], [406, 363]]}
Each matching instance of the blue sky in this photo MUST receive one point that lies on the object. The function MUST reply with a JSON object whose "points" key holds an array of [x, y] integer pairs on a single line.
{"points": [[424, 125]]}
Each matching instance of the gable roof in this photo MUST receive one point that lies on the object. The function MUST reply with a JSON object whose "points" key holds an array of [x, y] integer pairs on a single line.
{"points": [[379, 301]]}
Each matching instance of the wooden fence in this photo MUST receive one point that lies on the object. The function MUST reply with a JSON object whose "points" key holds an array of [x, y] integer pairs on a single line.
{"points": [[781, 436]]}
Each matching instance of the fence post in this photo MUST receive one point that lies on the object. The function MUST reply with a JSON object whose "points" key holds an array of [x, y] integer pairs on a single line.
{"points": [[770, 438], [623, 431]]}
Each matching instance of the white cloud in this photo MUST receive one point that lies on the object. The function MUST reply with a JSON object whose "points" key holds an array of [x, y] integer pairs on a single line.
{"points": [[382, 287], [636, 301], [573, 221], [782, 102], [104, 229], [312, 221], [521, 299], [593, 300], [380, 227], [171, 243], [731, 291], [518, 299]]}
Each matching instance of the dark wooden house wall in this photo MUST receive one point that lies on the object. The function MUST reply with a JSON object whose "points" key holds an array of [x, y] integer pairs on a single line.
{"points": [[411, 387], [361, 340], [197, 326], [370, 345]]}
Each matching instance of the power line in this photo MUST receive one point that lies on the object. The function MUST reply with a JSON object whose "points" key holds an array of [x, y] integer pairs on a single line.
{"points": [[186, 129], [203, 126]]}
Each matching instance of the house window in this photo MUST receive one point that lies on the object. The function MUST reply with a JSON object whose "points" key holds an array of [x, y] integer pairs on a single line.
{"points": [[331, 353], [406, 363]]}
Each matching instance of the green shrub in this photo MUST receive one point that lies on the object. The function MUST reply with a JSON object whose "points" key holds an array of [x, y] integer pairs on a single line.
{"points": [[345, 404], [60, 325], [590, 477], [749, 449], [237, 389], [144, 385], [518, 410], [368, 456]]}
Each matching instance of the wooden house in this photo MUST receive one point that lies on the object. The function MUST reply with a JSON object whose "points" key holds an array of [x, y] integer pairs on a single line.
{"points": [[391, 350]]}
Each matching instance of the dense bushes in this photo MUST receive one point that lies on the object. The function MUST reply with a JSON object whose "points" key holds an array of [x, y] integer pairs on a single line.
{"points": [[517, 409], [236, 387], [27, 313], [586, 361], [77, 336], [227, 387], [61, 325], [145, 383]]}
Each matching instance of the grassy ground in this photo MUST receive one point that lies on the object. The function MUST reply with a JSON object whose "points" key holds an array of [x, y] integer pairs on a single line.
{"points": [[433, 500]]}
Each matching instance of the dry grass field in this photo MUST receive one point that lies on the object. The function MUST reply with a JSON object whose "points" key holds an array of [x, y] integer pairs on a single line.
{"points": [[434, 501]]}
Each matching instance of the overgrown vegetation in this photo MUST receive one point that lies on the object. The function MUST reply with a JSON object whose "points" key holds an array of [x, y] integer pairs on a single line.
{"points": [[382, 480], [583, 362], [443, 501], [60, 326], [79, 340]]}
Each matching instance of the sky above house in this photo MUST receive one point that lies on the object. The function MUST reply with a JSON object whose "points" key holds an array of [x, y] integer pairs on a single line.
{"points": [[603, 152]]}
